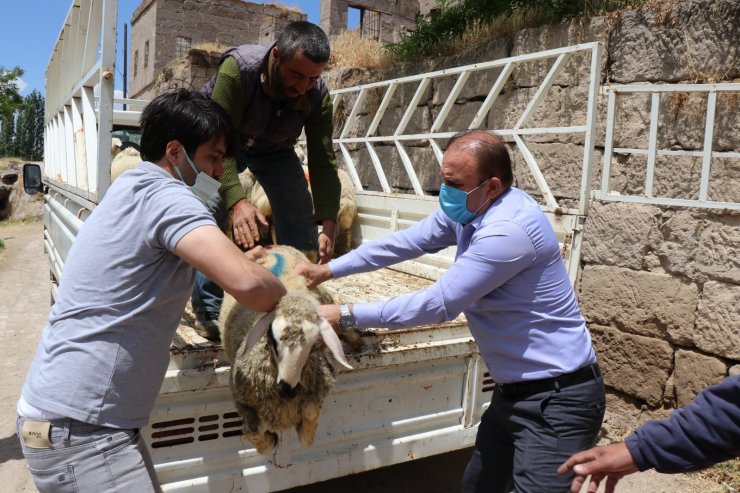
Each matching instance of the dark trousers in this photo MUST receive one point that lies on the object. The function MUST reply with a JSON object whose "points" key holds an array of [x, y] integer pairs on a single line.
{"points": [[523, 438]]}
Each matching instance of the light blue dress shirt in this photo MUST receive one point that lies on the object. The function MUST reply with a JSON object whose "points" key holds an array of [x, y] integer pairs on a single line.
{"points": [[508, 278]]}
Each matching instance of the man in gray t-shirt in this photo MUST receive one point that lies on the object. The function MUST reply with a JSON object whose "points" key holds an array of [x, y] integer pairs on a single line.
{"points": [[127, 278]]}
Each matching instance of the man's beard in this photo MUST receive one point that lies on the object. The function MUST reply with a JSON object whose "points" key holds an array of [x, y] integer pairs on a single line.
{"points": [[278, 85]]}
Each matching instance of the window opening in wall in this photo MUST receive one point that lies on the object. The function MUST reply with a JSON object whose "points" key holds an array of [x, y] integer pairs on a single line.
{"points": [[183, 47], [136, 63], [353, 18], [146, 54], [369, 23]]}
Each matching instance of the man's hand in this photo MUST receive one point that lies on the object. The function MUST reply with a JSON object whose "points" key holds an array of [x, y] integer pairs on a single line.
{"points": [[612, 462], [256, 253], [245, 219], [326, 241], [331, 314], [315, 274]]}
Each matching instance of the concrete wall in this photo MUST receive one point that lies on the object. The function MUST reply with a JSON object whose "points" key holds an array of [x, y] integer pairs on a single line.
{"points": [[659, 286], [223, 22]]}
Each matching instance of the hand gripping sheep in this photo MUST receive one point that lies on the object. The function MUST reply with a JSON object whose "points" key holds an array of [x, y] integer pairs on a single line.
{"points": [[279, 372]]}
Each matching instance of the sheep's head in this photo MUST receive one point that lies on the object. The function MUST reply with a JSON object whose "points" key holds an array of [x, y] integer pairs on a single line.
{"points": [[294, 329]]}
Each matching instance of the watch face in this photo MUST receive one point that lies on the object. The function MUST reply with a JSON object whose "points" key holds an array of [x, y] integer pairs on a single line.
{"points": [[346, 320]]}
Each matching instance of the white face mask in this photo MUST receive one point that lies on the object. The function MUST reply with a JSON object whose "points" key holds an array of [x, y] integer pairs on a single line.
{"points": [[205, 186]]}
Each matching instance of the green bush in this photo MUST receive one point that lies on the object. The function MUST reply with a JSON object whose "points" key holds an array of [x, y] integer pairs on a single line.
{"points": [[437, 32]]}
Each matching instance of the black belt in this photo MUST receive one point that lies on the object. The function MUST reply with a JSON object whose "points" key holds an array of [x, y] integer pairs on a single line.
{"points": [[521, 389]]}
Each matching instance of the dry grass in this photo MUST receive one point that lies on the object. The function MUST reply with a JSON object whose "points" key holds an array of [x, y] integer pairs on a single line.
{"points": [[726, 474], [5, 162], [349, 49], [501, 26], [210, 47]]}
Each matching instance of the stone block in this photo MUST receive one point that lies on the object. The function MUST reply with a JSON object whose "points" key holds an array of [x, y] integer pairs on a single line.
{"points": [[565, 33], [718, 320], [702, 245], [694, 372], [645, 303], [560, 164], [653, 44], [420, 121], [459, 118], [633, 364], [479, 82], [620, 234], [422, 159]]}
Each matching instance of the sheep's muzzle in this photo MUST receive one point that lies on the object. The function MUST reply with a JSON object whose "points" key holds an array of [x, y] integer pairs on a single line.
{"points": [[285, 391]]}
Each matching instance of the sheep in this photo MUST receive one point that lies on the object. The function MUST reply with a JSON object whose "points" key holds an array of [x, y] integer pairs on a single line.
{"points": [[254, 192], [126, 159], [347, 204], [116, 146], [281, 380], [347, 213], [256, 196]]}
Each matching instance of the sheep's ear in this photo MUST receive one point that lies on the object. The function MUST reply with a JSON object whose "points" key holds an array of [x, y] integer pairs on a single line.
{"points": [[333, 343], [259, 329]]}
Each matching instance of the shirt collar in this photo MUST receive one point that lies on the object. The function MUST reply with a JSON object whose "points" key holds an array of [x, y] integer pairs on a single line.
{"points": [[475, 223], [301, 104]]}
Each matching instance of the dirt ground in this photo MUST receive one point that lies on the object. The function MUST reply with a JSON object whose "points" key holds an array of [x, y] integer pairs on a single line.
{"points": [[24, 291]]}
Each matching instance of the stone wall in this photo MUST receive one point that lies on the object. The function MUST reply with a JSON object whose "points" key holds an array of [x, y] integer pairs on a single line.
{"points": [[219, 22], [659, 286], [394, 17], [188, 73]]}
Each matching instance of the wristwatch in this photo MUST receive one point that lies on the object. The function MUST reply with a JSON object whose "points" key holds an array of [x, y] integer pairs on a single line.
{"points": [[346, 320]]}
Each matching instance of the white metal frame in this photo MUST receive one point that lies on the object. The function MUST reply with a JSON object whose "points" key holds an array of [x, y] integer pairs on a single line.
{"points": [[707, 154], [392, 211], [83, 62], [515, 133]]}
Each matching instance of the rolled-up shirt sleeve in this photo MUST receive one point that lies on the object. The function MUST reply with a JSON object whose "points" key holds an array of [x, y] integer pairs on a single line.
{"points": [[495, 254]]}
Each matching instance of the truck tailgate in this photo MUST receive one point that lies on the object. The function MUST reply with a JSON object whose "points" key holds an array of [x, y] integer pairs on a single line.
{"points": [[414, 392]]}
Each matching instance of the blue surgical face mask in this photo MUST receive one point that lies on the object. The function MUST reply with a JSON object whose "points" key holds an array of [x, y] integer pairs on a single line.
{"points": [[454, 203], [205, 186]]}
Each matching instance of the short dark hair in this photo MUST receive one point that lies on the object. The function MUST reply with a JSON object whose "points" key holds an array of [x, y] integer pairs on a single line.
{"points": [[186, 116], [491, 153], [305, 37]]}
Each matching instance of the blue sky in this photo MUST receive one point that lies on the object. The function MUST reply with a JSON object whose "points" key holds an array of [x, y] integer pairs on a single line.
{"points": [[29, 29]]}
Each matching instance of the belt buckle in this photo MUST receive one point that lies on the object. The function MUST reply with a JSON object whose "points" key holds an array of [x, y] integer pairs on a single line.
{"points": [[508, 390]]}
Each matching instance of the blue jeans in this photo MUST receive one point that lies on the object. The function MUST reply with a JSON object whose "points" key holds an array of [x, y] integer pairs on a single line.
{"points": [[85, 458], [282, 178], [522, 440]]}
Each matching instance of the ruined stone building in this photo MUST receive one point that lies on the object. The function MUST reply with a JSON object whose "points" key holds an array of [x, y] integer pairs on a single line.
{"points": [[383, 20], [165, 30]]}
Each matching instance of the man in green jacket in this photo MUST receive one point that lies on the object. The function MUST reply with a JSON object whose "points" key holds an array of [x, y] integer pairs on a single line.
{"points": [[273, 92]]}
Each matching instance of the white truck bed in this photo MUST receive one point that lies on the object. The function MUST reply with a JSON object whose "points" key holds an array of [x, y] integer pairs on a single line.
{"points": [[405, 398]]}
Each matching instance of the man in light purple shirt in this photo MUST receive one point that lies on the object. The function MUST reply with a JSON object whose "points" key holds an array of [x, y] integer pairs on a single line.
{"points": [[509, 280]]}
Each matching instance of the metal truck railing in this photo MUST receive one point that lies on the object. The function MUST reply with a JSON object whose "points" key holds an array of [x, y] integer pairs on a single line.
{"points": [[361, 129], [701, 197]]}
